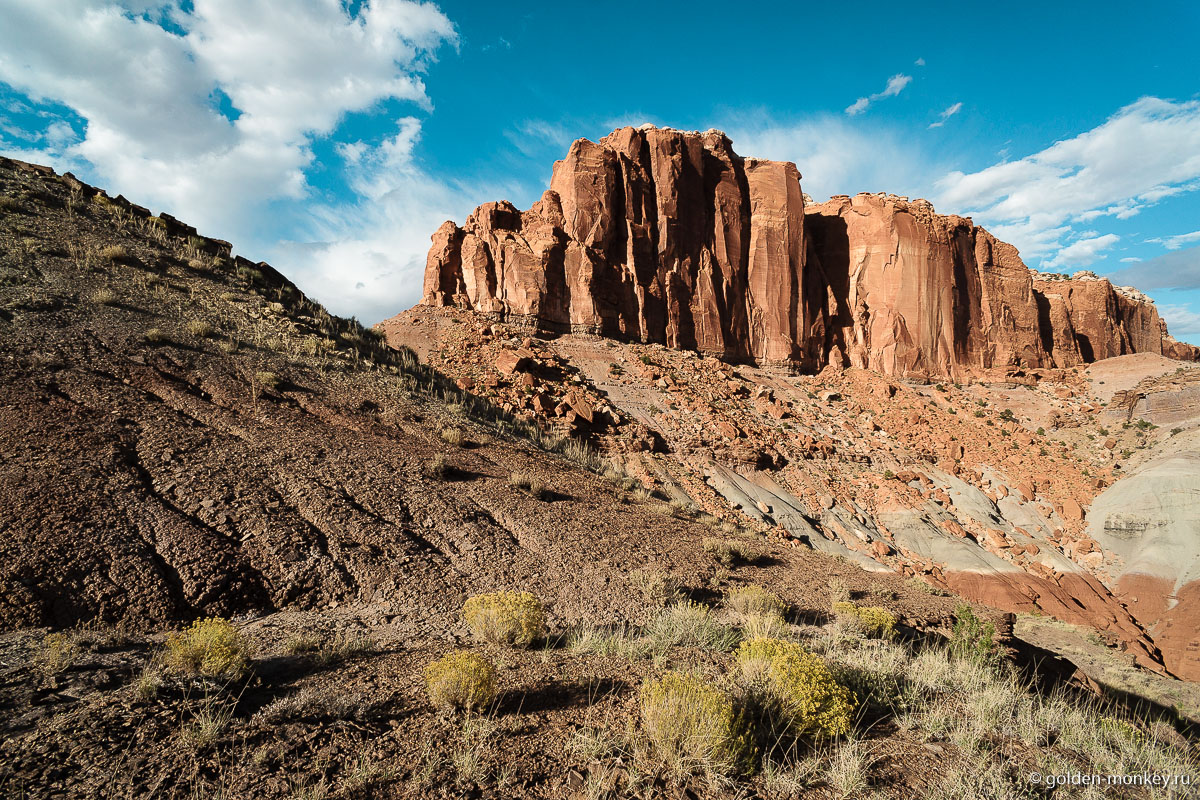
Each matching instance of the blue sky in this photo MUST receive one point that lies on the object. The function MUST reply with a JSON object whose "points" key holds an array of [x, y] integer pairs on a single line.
{"points": [[331, 138]]}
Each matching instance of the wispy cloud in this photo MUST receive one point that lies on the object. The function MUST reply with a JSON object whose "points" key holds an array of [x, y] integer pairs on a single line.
{"points": [[895, 86], [1145, 152], [945, 115], [1178, 241]]}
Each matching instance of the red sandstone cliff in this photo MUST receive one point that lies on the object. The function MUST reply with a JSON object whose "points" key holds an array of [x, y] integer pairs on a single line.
{"points": [[665, 236]]}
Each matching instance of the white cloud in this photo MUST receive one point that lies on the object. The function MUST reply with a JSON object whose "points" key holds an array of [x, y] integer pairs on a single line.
{"points": [[1178, 241], [148, 88], [945, 115], [1083, 252], [152, 130], [1145, 152], [836, 155], [1178, 269], [920, 62], [895, 85], [368, 257], [1130, 260]]}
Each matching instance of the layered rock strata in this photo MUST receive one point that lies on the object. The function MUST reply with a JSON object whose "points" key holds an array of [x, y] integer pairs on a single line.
{"points": [[658, 235]]}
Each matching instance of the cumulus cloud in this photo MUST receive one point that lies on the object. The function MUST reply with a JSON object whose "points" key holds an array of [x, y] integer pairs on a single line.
{"points": [[1145, 152], [209, 109], [895, 85], [945, 115], [835, 155], [1083, 252]]}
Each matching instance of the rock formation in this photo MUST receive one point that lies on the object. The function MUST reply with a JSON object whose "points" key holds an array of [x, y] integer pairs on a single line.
{"points": [[659, 235]]}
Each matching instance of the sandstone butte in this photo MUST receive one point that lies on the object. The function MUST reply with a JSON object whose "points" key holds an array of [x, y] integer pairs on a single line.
{"points": [[659, 235]]}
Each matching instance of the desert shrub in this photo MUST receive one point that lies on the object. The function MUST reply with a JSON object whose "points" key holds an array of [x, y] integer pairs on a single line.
{"points": [[199, 329], [973, 639], [114, 252], [928, 588], [691, 624], [301, 643], [10, 205], [343, 647], [693, 725], [438, 467], [513, 618], [655, 585], [754, 601], [529, 483], [57, 654], [798, 687], [267, 380], [728, 552], [870, 620], [210, 647], [461, 680], [454, 437], [104, 297], [155, 335], [147, 684]]}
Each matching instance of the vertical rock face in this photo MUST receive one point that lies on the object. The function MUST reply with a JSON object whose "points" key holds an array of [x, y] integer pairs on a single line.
{"points": [[665, 236], [921, 294], [651, 234]]}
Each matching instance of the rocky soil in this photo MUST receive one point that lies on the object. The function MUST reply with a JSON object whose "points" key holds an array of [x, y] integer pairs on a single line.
{"points": [[183, 433]]}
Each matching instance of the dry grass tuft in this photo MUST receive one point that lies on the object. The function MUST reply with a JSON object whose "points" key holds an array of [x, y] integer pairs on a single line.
{"points": [[211, 648]]}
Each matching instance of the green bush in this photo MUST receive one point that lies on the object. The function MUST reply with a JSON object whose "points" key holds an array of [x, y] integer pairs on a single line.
{"points": [[693, 725], [871, 620], [973, 639], [691, 624], [461, 680], [513, 618], [797, 685], [210, 647]]}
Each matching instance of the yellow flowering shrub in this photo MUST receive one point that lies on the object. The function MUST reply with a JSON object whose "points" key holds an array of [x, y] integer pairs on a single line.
{"points": [[461, 680], [871, 620], [693, 725], [514, 618], [799, 685], [210, 647]]}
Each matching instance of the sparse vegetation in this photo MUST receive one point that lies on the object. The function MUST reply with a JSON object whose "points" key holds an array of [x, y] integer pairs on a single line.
{"points": [[454, 437], [691, 624], [795, 687], [973, 639], [210, 647], [728, 552], [461, 681], [438, 467], [511, 618], [104, 297], [199, 329], [530, 484], [57, 654], [267, 380], [753, 600], [693, 725], [871, 620], [114, 253], [155, 336], [656, 586]]}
